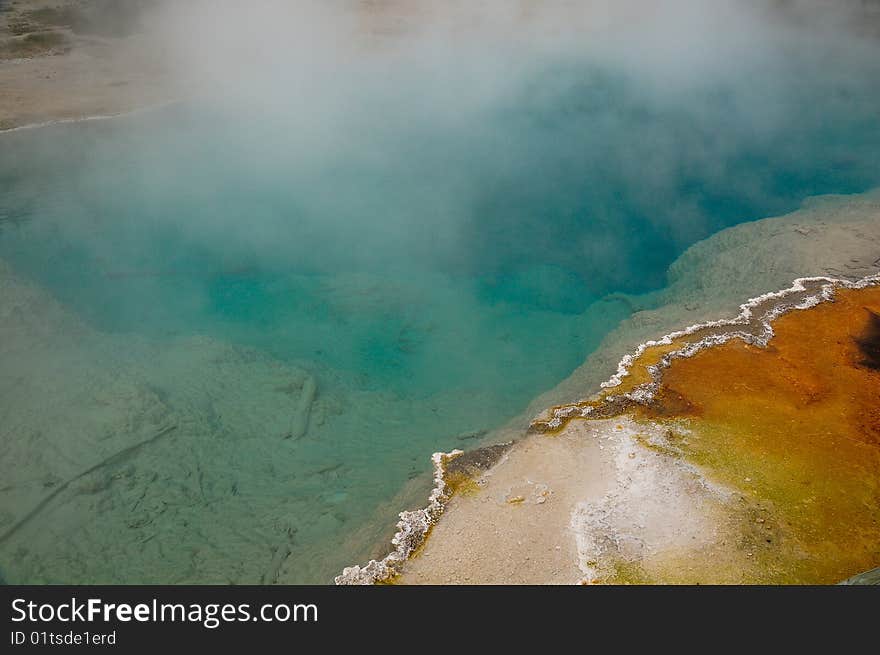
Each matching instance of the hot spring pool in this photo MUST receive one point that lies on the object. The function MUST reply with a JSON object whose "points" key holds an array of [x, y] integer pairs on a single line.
{"points": [[313, 305]]}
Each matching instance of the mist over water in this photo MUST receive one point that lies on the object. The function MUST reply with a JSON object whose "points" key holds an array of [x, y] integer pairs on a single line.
{"points": [[428, 224]]}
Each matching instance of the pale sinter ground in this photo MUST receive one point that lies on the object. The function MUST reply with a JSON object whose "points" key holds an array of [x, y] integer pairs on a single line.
{"points": [[553, 505]]}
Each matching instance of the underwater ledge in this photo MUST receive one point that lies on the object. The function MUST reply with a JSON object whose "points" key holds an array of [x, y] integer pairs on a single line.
{"points": [[667, 476]]}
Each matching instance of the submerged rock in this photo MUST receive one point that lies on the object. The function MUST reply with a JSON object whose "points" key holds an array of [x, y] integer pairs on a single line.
{"points": [[871, 577]]}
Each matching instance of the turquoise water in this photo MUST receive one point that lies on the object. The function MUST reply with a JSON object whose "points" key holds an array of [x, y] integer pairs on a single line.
{"points": [[432, 272]]}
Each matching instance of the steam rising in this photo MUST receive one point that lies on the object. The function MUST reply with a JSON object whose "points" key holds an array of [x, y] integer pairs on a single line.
{"points": [[601, 138], [487, 138]]}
